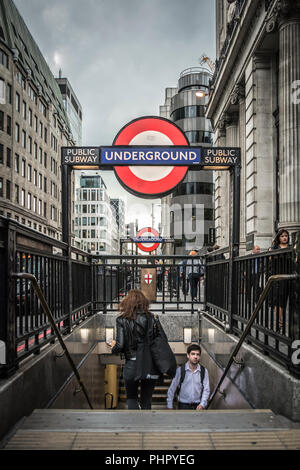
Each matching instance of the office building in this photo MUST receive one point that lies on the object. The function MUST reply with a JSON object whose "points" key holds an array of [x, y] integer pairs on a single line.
{"points": [[33, 127], [72, 107], [192, 199], [95, 222]]}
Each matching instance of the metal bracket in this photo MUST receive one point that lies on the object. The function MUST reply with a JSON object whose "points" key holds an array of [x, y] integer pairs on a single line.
{"points": [[57, 356], [223, 393], [239, 363]]}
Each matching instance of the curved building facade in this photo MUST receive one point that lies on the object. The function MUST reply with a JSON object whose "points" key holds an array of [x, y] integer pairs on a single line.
{"points": [[192, 201]]}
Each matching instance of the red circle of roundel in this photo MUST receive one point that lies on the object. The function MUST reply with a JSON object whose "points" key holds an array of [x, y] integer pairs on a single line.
{"points": [[148, 230], [133, 183]]}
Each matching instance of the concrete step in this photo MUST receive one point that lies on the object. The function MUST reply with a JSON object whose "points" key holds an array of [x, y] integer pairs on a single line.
{"points": [[154, 429]]}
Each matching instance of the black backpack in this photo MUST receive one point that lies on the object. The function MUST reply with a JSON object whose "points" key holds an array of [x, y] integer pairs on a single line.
{"points": [[182, 377]]}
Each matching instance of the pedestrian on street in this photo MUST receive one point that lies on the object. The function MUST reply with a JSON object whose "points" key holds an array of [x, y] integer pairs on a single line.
{"points": [[131, 340], [194, 271], [279, 293], [191, 383]]}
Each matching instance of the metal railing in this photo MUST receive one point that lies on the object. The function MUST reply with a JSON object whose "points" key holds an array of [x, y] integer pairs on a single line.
{"points": [[272, 279], [114, 276], [39, 293], [65, 279]]}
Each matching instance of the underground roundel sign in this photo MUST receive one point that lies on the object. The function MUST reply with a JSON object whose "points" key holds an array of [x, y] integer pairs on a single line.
{"points": [[150, 181], [147, 232]]}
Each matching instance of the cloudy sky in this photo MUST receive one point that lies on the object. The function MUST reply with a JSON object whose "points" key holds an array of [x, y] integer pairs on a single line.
{"points": [[119, 56]]}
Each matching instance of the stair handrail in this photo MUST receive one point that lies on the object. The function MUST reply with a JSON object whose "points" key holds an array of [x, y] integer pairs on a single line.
{"points": [[271, 279], [48, 312]]}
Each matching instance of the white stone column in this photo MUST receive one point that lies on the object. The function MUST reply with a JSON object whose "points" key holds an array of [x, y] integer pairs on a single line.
{"points": [[221, 192], [260, 165], [289, 115]]}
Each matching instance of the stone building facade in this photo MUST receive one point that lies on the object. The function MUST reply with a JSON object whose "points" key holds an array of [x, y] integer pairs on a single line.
{"points": [[253, 105], [33, 127]]}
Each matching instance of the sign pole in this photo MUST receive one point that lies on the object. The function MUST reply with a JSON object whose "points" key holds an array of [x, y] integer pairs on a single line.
{"points": [[234, 242], [66, 237], [236, 210]]}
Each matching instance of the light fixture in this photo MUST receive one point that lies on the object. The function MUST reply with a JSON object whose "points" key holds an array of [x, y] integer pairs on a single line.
{"points": [[215, 167], [187, 335], [211, 335], [87, 167], [200, 93]]}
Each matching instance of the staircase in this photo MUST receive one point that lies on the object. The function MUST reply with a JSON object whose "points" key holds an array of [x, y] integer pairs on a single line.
{"points": [[154, 429], [159, 396]]}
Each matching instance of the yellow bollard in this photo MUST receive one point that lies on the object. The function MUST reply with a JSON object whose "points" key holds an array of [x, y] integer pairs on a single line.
{"points": [[111, 385]]}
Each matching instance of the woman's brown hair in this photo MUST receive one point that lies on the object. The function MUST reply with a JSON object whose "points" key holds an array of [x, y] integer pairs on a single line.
{"points": [[134, 302]]}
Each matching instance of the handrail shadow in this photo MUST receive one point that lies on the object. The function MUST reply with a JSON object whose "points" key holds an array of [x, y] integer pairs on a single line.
{"points": [[274, 278], [41, 297]]}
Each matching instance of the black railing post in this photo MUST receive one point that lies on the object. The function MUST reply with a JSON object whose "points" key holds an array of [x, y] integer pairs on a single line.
{"points": [[7, 296], [235, 175]]}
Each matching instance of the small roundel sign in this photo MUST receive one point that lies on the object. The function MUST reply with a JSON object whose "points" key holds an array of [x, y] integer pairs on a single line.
{"points": [[150, 181], [148, 232]]}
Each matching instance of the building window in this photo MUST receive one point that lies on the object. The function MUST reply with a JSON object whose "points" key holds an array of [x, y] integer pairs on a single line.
{"points": [[23, 199], [8, 190], [30, 117], [30, 144], [17, 132], [35, 150], [1, 153], [29, 201], [24, 139], [3, 58], [8, 124], [24, 110], [1, 187], [35, 177], [17, 163], [188, 112], [2, 91], [9, 93], [199, 137], [8, 157], [18, 101], [1, 120], [29, 173], [23, 168], [17, 194]]}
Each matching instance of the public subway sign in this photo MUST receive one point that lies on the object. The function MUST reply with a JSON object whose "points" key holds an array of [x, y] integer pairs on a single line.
{"points": [[150, 157], [138, 155], [220, 156], [81, 156]]}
